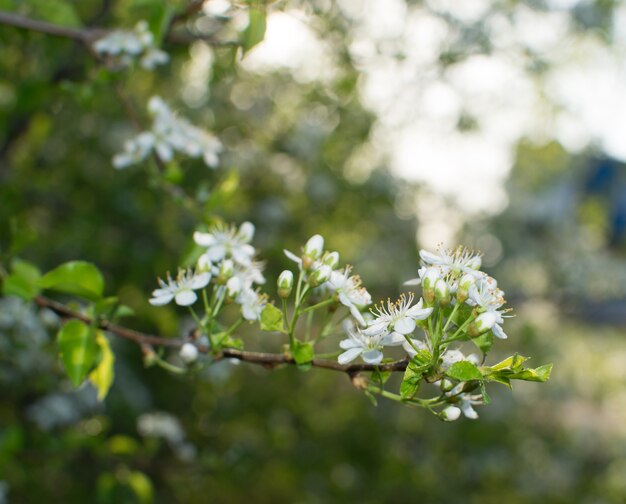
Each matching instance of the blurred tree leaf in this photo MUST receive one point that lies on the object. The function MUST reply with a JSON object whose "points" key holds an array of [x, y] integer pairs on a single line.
{"points": [[75, 277], [102, 376], [22, 281], [255, 31], [78, 349]]}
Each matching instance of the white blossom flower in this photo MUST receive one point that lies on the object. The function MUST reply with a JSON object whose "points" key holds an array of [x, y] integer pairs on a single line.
{"points": [[457, 261], [484, 293], [188, 353], [227, 241], [350, 292], [135, 150], [399, 317], [451, 413], [153, 57], [369, 347], [252, 303], [181, 290], [466, 400]]}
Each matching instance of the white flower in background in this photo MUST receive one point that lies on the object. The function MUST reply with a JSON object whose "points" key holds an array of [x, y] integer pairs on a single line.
{"points": [[181, 290], [252, 303], [126, 45], [350, 292], [169, 134], [227, 241], [399, 317], [369, 347], [188, 353]]}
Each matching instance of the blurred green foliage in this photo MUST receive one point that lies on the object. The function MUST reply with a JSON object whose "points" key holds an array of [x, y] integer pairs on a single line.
{"points": [[240, 433]]}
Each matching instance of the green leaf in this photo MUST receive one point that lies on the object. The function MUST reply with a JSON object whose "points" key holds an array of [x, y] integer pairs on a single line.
{"points": [[141, 486], [513, 363], [483, 391], [102, 376], [303, 352], [255, 31], [75, 277], [464, 371], [78, 349], [540, 374], [414, 373], [271, 319], [22, 281]]}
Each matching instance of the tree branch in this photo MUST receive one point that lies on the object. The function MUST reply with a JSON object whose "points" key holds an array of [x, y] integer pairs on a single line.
{"points": [[82, 35], [268, 360]]}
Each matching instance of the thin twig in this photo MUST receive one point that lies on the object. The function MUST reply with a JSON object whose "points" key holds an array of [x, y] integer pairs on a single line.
{"points": [[268, 360]]}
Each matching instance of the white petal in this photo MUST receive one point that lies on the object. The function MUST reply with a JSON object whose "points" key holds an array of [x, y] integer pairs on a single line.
{"points": [[375, 327], [373, 356], [405, 325], [393, 339], [357, 315], [418, 313], [468, 411], [349, 355], [430, 258], [160, 300], [216, 253], [498, 332], [346, 344], [200, 280], [413, 281], [204, 239], [293, 256], [186, 298]]}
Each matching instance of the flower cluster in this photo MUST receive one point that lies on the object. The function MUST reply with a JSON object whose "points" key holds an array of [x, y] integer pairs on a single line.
{"points": [[126, 45], [459, 304], [169, 134], [228, 266]]}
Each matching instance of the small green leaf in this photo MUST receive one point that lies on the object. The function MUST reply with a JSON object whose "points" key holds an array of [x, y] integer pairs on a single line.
{"points": [[78, 349], [464, 371], [102, 376], [271, 319], [75, 277], [105, 307], [231, 342], [303, 352], [22, 281], [513, 363], [414, 373], [483, 391], [540, 374], [141, 486], [255, 31]]}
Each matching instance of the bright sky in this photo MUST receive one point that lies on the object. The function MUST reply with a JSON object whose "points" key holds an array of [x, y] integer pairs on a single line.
{"points": [[418, 107]]}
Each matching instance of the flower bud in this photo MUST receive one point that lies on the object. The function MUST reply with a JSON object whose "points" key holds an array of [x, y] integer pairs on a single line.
{"points": [[446, 385], [314, 247], [483, 323], [429, 279], [450, 414], [188, 353], [246, 231], [285, 284], [442, 292], [320, 275], [465, 283], [331, 259]]}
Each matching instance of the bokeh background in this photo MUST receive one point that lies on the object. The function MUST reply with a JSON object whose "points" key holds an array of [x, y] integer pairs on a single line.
{"points": [[386, 126]]}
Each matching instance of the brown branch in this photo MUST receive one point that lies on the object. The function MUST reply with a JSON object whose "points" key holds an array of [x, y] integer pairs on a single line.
{"points": [[82, 35], [268, 360]]}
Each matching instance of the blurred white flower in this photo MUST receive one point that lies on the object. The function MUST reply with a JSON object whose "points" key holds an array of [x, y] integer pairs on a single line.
{"points": [[181, 289], [188, 353], [252, 303]]}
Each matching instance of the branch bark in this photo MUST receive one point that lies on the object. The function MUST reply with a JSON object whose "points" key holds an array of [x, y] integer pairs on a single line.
{"points": [[268, 360]]}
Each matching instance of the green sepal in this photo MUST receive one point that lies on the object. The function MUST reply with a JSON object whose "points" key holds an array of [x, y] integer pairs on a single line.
{"points": [[255, 31]]}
